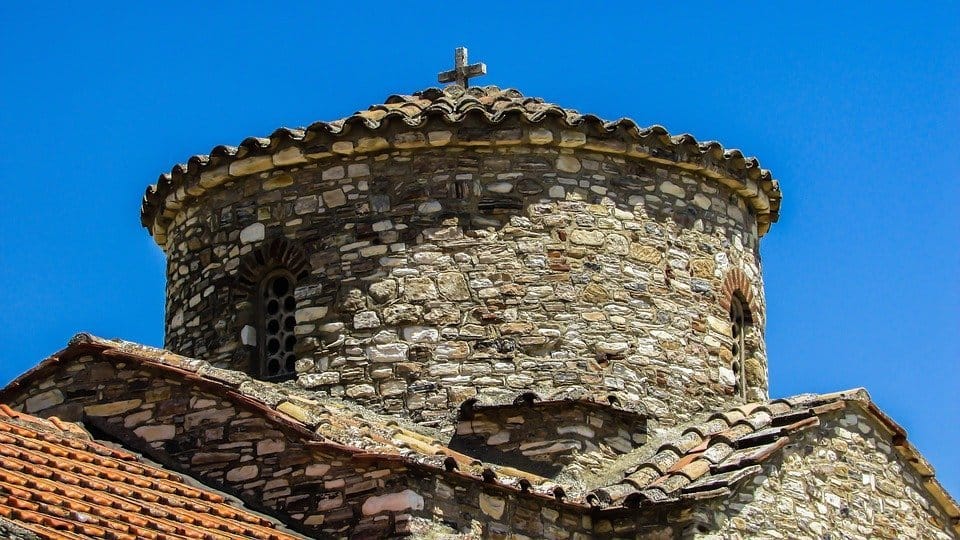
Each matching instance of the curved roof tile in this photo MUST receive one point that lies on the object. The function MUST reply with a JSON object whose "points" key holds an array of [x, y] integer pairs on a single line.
{"points": [[59, 483], [491, 105]]}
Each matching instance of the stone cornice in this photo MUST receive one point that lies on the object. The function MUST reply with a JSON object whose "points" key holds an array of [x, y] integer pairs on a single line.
{"points": [[453, 117]]}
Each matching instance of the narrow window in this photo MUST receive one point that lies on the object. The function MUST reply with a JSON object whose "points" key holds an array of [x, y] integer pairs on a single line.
{"points": [[277, 341], [740, 318]]}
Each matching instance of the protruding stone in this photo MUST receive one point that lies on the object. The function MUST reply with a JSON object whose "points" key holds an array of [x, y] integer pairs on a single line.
{"points": [[499, 187], [342, 147], [334, 198], [291, 155], [251, 165], [313, 380], [383, 291], [333, 173], [317, 469], [439, 138], [568, 164], [540, 136], [418, 289], [252, 233], [702, 201], [310, 314], [112, 409], [365, 320], [390, 352], [392, 502], [645, 254], [44, 400], [429, 207], [279, 181], [361, 391], [570, 138], [270, 446], [453, 286], [371, 144], [156, 433], [242, 474], [586, 238], [672, 189], [248, 336], [492, 506]]}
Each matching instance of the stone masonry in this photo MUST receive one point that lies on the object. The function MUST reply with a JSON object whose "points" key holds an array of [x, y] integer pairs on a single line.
{"points": [[841, 481], [439, 266]]}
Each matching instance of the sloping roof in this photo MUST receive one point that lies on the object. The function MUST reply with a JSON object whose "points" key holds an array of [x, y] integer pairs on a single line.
{"points": [[709, 459], [57, 482], [455, 105], [323, 422]]}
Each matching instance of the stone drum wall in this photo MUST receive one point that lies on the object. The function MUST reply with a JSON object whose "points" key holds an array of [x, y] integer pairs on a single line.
{"points": [[429, 276]]}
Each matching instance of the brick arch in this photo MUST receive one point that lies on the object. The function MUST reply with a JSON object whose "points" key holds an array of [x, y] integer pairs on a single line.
{"points": [[271, 255], [736, 281]]}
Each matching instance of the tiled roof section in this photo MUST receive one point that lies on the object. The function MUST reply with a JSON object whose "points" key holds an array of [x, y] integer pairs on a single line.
{"points": [[455, 105], [711, 458], [57, 482], [708, 460], [325, 423]]}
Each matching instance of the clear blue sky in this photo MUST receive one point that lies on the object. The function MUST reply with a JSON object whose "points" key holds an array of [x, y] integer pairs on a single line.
{"points": [[856, 109]]}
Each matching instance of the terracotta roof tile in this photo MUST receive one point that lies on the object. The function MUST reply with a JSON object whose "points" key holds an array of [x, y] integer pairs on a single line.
{"points": [[59, 483], [707, 459]]}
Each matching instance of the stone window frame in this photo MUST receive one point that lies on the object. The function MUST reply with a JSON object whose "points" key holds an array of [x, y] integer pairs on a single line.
{"points": [[739, 302], [271, 259]]}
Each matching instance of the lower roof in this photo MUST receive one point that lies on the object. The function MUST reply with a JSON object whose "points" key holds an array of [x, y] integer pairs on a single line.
{"points": [[57, 482], [705, 460]]}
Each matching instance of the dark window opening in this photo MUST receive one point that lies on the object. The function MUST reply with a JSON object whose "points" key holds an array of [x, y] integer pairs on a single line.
{"points": [[739, 319], [277, 321]]}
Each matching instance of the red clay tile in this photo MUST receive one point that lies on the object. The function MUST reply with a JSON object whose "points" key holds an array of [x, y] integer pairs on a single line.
{"points": [[60, 484]]}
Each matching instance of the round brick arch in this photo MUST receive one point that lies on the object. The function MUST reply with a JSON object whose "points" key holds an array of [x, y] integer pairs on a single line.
{"points": [[275, 254], [737, 282]]}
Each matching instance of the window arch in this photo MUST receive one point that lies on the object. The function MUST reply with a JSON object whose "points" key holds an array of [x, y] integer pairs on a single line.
{"points": [[276, 312], [266, 280], [739, 321]]}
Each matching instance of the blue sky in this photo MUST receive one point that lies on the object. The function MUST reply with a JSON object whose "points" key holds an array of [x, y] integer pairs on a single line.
{"points": [[855, 108]]}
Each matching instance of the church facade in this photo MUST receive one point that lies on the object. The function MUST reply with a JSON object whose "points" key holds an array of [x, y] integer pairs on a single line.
{"points": [[470, 313]]}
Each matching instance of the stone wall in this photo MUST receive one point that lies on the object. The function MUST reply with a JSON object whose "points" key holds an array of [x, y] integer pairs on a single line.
{"points": [[843, 480], [549, 437], [437, 275], [227, 442], [222, 444]]}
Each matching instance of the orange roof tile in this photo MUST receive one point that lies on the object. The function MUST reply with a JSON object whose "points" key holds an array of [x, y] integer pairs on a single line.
{"points": [[59, 483]]}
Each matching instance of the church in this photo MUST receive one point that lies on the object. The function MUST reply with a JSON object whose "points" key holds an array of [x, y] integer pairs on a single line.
{"points": [[461, 313]]}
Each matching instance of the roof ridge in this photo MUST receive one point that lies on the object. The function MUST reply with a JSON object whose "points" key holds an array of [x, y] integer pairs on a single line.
{"points": [[754, 432]]}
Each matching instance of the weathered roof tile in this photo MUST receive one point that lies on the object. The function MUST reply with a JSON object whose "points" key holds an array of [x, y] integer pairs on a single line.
{"points": [[59, 484]]}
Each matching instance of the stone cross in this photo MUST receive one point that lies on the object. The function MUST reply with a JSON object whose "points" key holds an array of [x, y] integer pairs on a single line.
{"points": [[462, 72]]}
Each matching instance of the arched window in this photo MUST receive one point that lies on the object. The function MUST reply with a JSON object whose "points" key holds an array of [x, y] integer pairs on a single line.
{"points": [[277, 307], [739, 319]]}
